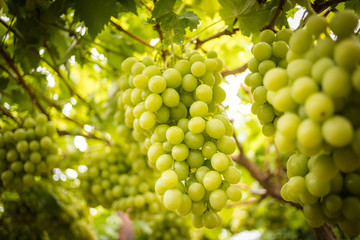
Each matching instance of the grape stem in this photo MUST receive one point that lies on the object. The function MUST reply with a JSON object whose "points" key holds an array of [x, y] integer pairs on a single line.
{"points": [[320, 5], [200, 42], [276, 16], [234, 71], [119, 28], [8, 113], [89, 136]]}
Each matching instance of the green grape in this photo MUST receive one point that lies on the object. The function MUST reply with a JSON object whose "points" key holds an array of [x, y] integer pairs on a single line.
{"points": [[196, 191], [153, 102], [284, 144], [297, 165], [299, 68], [219, 94], [283, 101], [337, 131], [253, 65], [218, 199], [259, 95], [355, 79], [265, 66], [198, 108], [215, 128], [347, 53], [344, 23], [275, 79], [140, 81], [262, 51], [234, 193], [169, 179], [211, 65], [324, 167], [203, 93], [208, 78], [212, 180], [164, 162], [157, 84], [287, 125], [180, 152], [309, 133], [279, 49], [319, 107], [198, 69], [255, 80], [174, 135], [171, 199], [219, 161], [189, 83], [170, 97], [194, 140], [182, 170], [173, 78], [351, 208], [147, 120], [231, 175], [265, 113], [209, 149], [267, 36], [352, 182], [268, 129], [316, 25], [302, 88], [127, 64], [336, 82], [284, 35], [346, 160], [195, 159], [300, 41], [317, 186], [226, 145]]}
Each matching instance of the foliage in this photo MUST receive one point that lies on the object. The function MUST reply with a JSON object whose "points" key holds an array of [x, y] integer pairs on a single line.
{"points": [[63, 58]]}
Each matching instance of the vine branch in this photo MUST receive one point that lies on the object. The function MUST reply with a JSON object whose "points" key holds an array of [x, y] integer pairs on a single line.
{"points": [[119, 28], [234, 71], [320, 6], [200, 42], [276, 15], [8, 113]]}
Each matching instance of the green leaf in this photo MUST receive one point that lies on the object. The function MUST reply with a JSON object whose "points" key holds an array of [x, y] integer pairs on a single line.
{"points": [[248, 13], [3, 83], [353, 4], [163, 8], [95, 13], [174, 25], [127, 6]]}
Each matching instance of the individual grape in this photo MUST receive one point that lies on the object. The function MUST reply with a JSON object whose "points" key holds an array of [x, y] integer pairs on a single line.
{"points": [[253, 65], [195, 159], [309, 133], [262, 51], [198, 108], [204, 93], [215, 128], [316, 25], [336, 82], [180, 152], [233, 193], [218, 199], [284, 144], [219, 161], [226, 145], [275, 79], [323, 167], [231, 175], [317, 186], [355, 79], [284, 35], [299, 68], [347, 53], [265, 66], [297, 165], [173, 78], [279, 49], [196, 191], [170, 97], [346, 160], [259, 95], [267, 36], [319, 107], [255, 80], [265, 113], [169, 179], [209, 149], [302, 88], [283, 101], [198, 69], [300, 41], [153, 102], [344, 23], [189, 83], [157, 84], [352, 182], [171, 199], [140, 81], [337, 131], [210, 219], [212, 180], [147, 120]]}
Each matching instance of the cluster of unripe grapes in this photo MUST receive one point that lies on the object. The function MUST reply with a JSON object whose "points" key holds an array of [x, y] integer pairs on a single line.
{"points": [[317, 101], [27, 152], [116, 179], [168, 226], [175, 114], [269, 53], [58, 215]]}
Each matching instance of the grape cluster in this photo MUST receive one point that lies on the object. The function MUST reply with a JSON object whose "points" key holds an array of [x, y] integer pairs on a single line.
{"points": [[58, 215], [269, 53], [27, 152], [175, 114], [168, 226], [116, 179], [319, 95]]}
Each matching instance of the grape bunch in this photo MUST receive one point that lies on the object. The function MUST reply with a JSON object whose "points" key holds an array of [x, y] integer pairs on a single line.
{"points": [[175, 114], [269, 53], [168, 226], [318, 96], [27, 152], [115, 179], [44, 211]]}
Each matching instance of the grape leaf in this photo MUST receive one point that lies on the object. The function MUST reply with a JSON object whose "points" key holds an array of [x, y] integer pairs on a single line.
{"points": [[127, 6], [248, 13], [353, 4], [174, 25], [95, 13]]}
